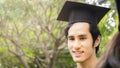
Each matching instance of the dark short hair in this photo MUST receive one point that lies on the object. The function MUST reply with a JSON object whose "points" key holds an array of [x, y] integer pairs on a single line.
{"points": [[93, 30]]}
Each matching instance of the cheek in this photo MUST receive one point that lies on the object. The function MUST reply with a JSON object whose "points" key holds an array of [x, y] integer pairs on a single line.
{"points": [[89, 49], [88, 45], [88, 42], [69, 45]]}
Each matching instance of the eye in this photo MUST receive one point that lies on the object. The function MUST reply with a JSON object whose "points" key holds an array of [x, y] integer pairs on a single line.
{"points": [[71, 38], [82, 38]]}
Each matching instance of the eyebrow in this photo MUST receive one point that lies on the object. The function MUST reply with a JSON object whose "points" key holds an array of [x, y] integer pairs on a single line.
{"points": [[82, 35]]}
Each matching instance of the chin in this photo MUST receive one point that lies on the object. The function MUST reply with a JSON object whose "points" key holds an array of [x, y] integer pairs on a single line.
{"points": [[78, 60]]}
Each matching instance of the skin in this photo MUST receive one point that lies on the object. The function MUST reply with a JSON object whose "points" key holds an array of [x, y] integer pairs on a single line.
{"points": [[80, 45]]}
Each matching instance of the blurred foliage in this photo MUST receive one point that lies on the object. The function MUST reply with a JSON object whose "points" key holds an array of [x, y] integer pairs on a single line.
{"points": [[31, 37]]}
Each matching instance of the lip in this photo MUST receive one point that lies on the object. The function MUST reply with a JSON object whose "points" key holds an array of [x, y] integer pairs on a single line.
{"points": [[77, 53]]}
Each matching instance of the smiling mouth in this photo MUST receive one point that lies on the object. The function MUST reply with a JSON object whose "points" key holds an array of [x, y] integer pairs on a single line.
{"points": [[77, 53]]}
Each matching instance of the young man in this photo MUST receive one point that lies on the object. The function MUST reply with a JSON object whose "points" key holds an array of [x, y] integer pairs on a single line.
{"points": [[82, 33]]}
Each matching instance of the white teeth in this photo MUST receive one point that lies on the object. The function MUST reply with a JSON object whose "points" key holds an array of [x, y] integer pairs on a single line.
{"points": [[79, 52]]}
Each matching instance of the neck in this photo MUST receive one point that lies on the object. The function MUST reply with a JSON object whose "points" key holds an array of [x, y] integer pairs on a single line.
{"points": [[89, 63]]}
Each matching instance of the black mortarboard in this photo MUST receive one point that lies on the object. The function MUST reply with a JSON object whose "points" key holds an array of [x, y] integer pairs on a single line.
{"points": [[118, 9], [79, 12]]}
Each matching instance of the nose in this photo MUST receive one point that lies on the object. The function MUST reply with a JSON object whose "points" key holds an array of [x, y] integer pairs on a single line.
{"points": [[77, 45]]}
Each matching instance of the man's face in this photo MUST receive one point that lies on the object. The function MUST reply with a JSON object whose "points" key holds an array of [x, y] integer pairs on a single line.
{"points": [[80, 43]]}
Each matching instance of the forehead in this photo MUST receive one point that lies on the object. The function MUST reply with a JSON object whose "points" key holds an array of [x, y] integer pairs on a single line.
{"points": [[79, 28]]}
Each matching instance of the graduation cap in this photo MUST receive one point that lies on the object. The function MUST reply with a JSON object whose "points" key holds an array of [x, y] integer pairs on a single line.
{"points": [[118, 9], [73, 12]]}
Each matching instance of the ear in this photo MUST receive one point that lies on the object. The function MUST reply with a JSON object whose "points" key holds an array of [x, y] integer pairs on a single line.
{"points": [[97, 41]]}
